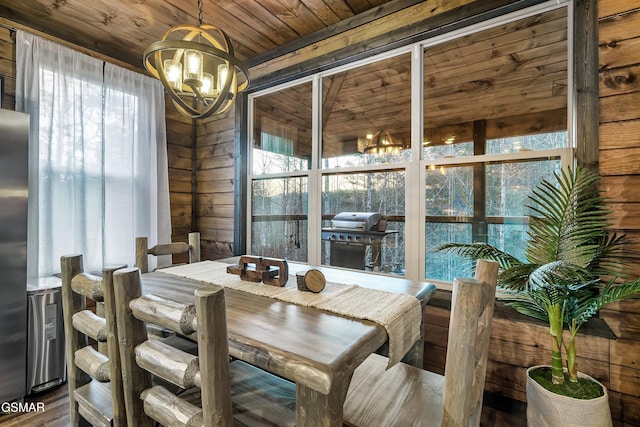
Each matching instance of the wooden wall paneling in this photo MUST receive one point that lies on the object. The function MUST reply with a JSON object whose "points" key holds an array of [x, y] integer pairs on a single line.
{"points": [[619, 62], [217, 250], [508, 380], [625, 352], [615, 7], [208, 164], [623, 26], [620, 53], [211, 212], [624, 325], [620, 161], [625, 380], [626, 408], [434, 358], [180, 181], [214, 190], [179, 154], [216, 238], [621, 189], [8, 68], [625, 216], [620, 107], [625, 134]]}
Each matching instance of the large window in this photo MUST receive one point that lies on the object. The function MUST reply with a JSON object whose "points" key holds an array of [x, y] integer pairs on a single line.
{"points": [[444, 140]]}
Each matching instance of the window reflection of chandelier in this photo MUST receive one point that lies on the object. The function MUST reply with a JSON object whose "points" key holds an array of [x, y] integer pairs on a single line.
{"points": [[197, 68], [383, 142]]}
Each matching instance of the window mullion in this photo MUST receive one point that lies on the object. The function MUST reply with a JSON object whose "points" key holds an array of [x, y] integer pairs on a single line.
{"points": [[315, 183]]}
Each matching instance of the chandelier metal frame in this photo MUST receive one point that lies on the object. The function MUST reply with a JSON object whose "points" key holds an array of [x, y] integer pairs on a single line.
{"points": [[188, 99]]}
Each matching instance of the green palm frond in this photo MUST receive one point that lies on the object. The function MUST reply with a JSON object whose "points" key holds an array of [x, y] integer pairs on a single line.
{"points": [[480, 250], [614, 257], [569, 220], [525, 304], [559, 274], [586, 305], [516, 278]]}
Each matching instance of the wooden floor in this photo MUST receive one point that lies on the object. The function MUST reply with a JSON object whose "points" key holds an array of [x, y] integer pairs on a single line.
{"points": [[56, 410], [495, 413]]}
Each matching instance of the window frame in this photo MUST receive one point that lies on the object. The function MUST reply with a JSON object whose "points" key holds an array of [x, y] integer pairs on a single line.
{"points": [[414, 169]]}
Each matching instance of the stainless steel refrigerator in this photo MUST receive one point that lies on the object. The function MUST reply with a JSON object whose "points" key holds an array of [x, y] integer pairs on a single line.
{"points": [[14, 148]]}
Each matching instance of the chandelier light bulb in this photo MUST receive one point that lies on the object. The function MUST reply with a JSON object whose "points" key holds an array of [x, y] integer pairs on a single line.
{"points": [[173, 71], [207, 85], [193, 68], [222, 76]]}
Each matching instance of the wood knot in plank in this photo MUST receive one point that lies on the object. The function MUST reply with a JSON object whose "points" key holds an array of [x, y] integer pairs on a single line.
{"points": [[109, 18], [58, 3], [140, 22], [619, 80]]}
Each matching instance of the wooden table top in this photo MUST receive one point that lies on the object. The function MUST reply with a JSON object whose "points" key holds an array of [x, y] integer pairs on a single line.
{"points": [[303, 344]]}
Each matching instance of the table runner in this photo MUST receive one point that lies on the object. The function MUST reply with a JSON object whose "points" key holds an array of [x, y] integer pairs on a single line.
{"points": [[400, 314]]}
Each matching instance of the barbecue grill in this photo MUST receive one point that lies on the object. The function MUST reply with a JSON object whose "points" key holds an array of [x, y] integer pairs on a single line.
{"points": [[349, 236]]}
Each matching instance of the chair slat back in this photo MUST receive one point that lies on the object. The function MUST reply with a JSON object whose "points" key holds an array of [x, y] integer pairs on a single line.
{"points": [[174, 248], [468, 346], [142, 357], [84, 363]]}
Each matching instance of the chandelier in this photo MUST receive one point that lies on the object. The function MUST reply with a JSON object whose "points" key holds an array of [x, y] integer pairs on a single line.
{"points": [[197, 68], [383, 143]]}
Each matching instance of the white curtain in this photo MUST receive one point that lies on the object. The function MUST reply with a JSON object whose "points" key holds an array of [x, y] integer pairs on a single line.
{"points": [[98, 173]]}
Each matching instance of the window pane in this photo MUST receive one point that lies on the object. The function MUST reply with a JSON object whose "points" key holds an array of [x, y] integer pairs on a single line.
{"points": [[367, 114], [511, 238], [509, 185], [282, 131], [516, 144], [379, 192], [279, 220], [441, 265], [484, 202], [449, 191], [502, 82]]}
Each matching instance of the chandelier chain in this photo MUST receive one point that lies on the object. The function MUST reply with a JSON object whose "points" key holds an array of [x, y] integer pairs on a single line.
{"points": [[199, 12]]}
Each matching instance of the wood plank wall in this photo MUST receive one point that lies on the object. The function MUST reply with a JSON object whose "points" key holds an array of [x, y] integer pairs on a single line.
{"points": [[619, 65], [8, 68], [179, 159], [214, 195]]}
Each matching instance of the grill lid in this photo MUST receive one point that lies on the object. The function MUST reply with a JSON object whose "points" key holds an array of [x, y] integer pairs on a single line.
{"points": [[364, 221]]}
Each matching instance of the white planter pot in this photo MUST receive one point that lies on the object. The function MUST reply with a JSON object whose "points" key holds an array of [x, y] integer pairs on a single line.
{"points": [[547, 409]]}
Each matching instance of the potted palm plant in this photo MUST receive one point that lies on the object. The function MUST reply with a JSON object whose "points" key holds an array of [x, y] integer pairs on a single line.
{"points": [[569, 251]]}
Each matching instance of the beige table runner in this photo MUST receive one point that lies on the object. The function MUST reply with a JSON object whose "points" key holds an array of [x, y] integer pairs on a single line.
{"points": [[400, 314]]}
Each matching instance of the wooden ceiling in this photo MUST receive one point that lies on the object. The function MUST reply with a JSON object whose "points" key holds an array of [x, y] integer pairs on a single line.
{"points": [[122, 29]]}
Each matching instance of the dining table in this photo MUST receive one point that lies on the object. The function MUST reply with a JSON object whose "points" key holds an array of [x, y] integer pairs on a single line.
{"points": [[316, 349]]}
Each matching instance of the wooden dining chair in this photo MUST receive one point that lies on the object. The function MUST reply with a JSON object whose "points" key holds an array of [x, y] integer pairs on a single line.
{"points": [[93, 378], [192, 248], [217, 392], [406, 396]]}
